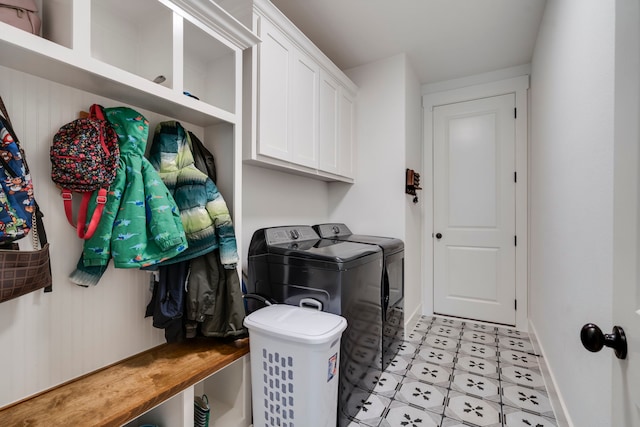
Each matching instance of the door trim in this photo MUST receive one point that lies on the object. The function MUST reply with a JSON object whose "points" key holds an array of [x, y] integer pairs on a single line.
{"points": [[518, 86]]}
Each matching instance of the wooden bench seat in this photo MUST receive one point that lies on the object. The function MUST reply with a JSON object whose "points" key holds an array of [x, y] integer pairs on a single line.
{"points": [[119, 393]]}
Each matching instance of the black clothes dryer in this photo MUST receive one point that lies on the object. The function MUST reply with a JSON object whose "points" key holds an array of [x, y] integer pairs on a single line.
{"points": [[293, 265], [392, 282]]}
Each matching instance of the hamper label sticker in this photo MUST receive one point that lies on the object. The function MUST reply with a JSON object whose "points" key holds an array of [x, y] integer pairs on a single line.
{"points": [[333, 367]]}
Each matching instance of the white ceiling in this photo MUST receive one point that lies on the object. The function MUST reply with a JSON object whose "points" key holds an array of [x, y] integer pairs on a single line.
{"points": [[444, 39]]}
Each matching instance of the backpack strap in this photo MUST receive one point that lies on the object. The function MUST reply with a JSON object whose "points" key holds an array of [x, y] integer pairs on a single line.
{"points": [[95, 112], [6, 122], [84, 231], [4, 111]]}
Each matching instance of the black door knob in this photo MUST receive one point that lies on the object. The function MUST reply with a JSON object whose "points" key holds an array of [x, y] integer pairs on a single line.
{"points": [[593, 339], [438, 236]]}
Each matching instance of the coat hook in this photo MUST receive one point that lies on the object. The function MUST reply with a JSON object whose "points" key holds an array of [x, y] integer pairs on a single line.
{"points": [[412, 184]]}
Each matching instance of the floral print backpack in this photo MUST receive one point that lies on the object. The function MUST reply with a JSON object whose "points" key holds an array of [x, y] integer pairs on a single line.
{"points": [[84, 159]]}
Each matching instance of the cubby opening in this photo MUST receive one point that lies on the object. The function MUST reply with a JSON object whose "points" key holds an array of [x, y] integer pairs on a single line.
{"points": [[230, 404], [136, 36], [209, 68], [57, 21], [172, 412]]}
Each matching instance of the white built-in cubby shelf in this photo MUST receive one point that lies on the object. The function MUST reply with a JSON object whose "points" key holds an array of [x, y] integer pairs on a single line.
{"points": [[154, 387], [116, 48]]}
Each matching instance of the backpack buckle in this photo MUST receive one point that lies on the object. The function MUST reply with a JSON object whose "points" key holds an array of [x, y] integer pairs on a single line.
{"points": [[66, 195], [101, 200]]}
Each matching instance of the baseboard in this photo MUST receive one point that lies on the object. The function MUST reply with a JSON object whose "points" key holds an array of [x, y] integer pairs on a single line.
{"points": [[557, 402], [412, 320]]}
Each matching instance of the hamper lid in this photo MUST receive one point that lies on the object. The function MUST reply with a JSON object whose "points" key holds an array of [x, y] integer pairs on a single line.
{"points": [[299, 324]]}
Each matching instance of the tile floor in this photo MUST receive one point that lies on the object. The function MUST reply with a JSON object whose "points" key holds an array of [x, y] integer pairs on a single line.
{"points": [[452, 373]]}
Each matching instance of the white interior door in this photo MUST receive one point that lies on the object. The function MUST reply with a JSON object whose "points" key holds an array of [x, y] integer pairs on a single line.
{"points": [[626, 236], [626, 296], [474, 209]]}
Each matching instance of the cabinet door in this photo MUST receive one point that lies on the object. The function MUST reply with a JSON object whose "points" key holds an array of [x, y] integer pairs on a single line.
{"points": [[304, 110], [328, 124], [346, 135], [275, 58]]}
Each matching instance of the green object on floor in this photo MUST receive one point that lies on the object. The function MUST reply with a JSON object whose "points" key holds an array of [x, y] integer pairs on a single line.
{"points": [[201, 411]]}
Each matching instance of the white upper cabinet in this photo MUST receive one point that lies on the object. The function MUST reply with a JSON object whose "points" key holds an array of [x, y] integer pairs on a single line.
{"points": [[329, 133], [275, 79], [346, 129], [337, 138], [304, 111], [295, 96]]}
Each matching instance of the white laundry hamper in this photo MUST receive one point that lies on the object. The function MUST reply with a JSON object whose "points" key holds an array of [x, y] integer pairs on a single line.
{"points": [[295, 359]]}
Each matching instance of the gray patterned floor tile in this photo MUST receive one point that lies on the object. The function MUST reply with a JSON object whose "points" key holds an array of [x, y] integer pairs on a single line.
{"points": [[534, 401], [430, 373], [367, 408], [479, 337], [522, 376], [517, 344], [425, 396], [452, 373], [518, 358], [400, 415], [436, 355], [446, 331], [415, 337], [482, 413], [399, 365], [444, 343], [382, 383], [448, 322], [477, 365], [510, 332], [476, 385], [480, 327], [488, 352], [518, 418], [450, 422]]}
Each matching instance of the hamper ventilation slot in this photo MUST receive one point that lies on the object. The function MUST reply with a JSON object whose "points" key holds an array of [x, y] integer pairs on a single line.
{"points": [[278, 389]]}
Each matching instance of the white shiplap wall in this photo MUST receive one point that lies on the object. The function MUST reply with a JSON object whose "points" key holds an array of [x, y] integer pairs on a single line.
{"points": [[47, 339]]}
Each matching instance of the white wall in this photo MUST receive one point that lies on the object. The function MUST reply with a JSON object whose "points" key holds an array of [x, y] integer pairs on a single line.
{"points": [[413, 211], [375, 204], [271, 198], [571, 196], [388, 128]]}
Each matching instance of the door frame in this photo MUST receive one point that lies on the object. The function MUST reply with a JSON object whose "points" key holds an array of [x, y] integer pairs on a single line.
{"points": [[518, 86]]}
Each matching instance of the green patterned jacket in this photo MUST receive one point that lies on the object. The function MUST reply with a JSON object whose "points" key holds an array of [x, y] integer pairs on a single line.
{"points": [[205, 216], [140, 225]]}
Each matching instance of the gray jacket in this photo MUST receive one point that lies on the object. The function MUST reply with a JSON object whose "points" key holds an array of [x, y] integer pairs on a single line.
{"points": [[214, 299]]}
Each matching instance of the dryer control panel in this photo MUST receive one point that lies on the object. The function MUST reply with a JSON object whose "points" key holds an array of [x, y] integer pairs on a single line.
{"points": [[328, 231], [289, 234]]}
